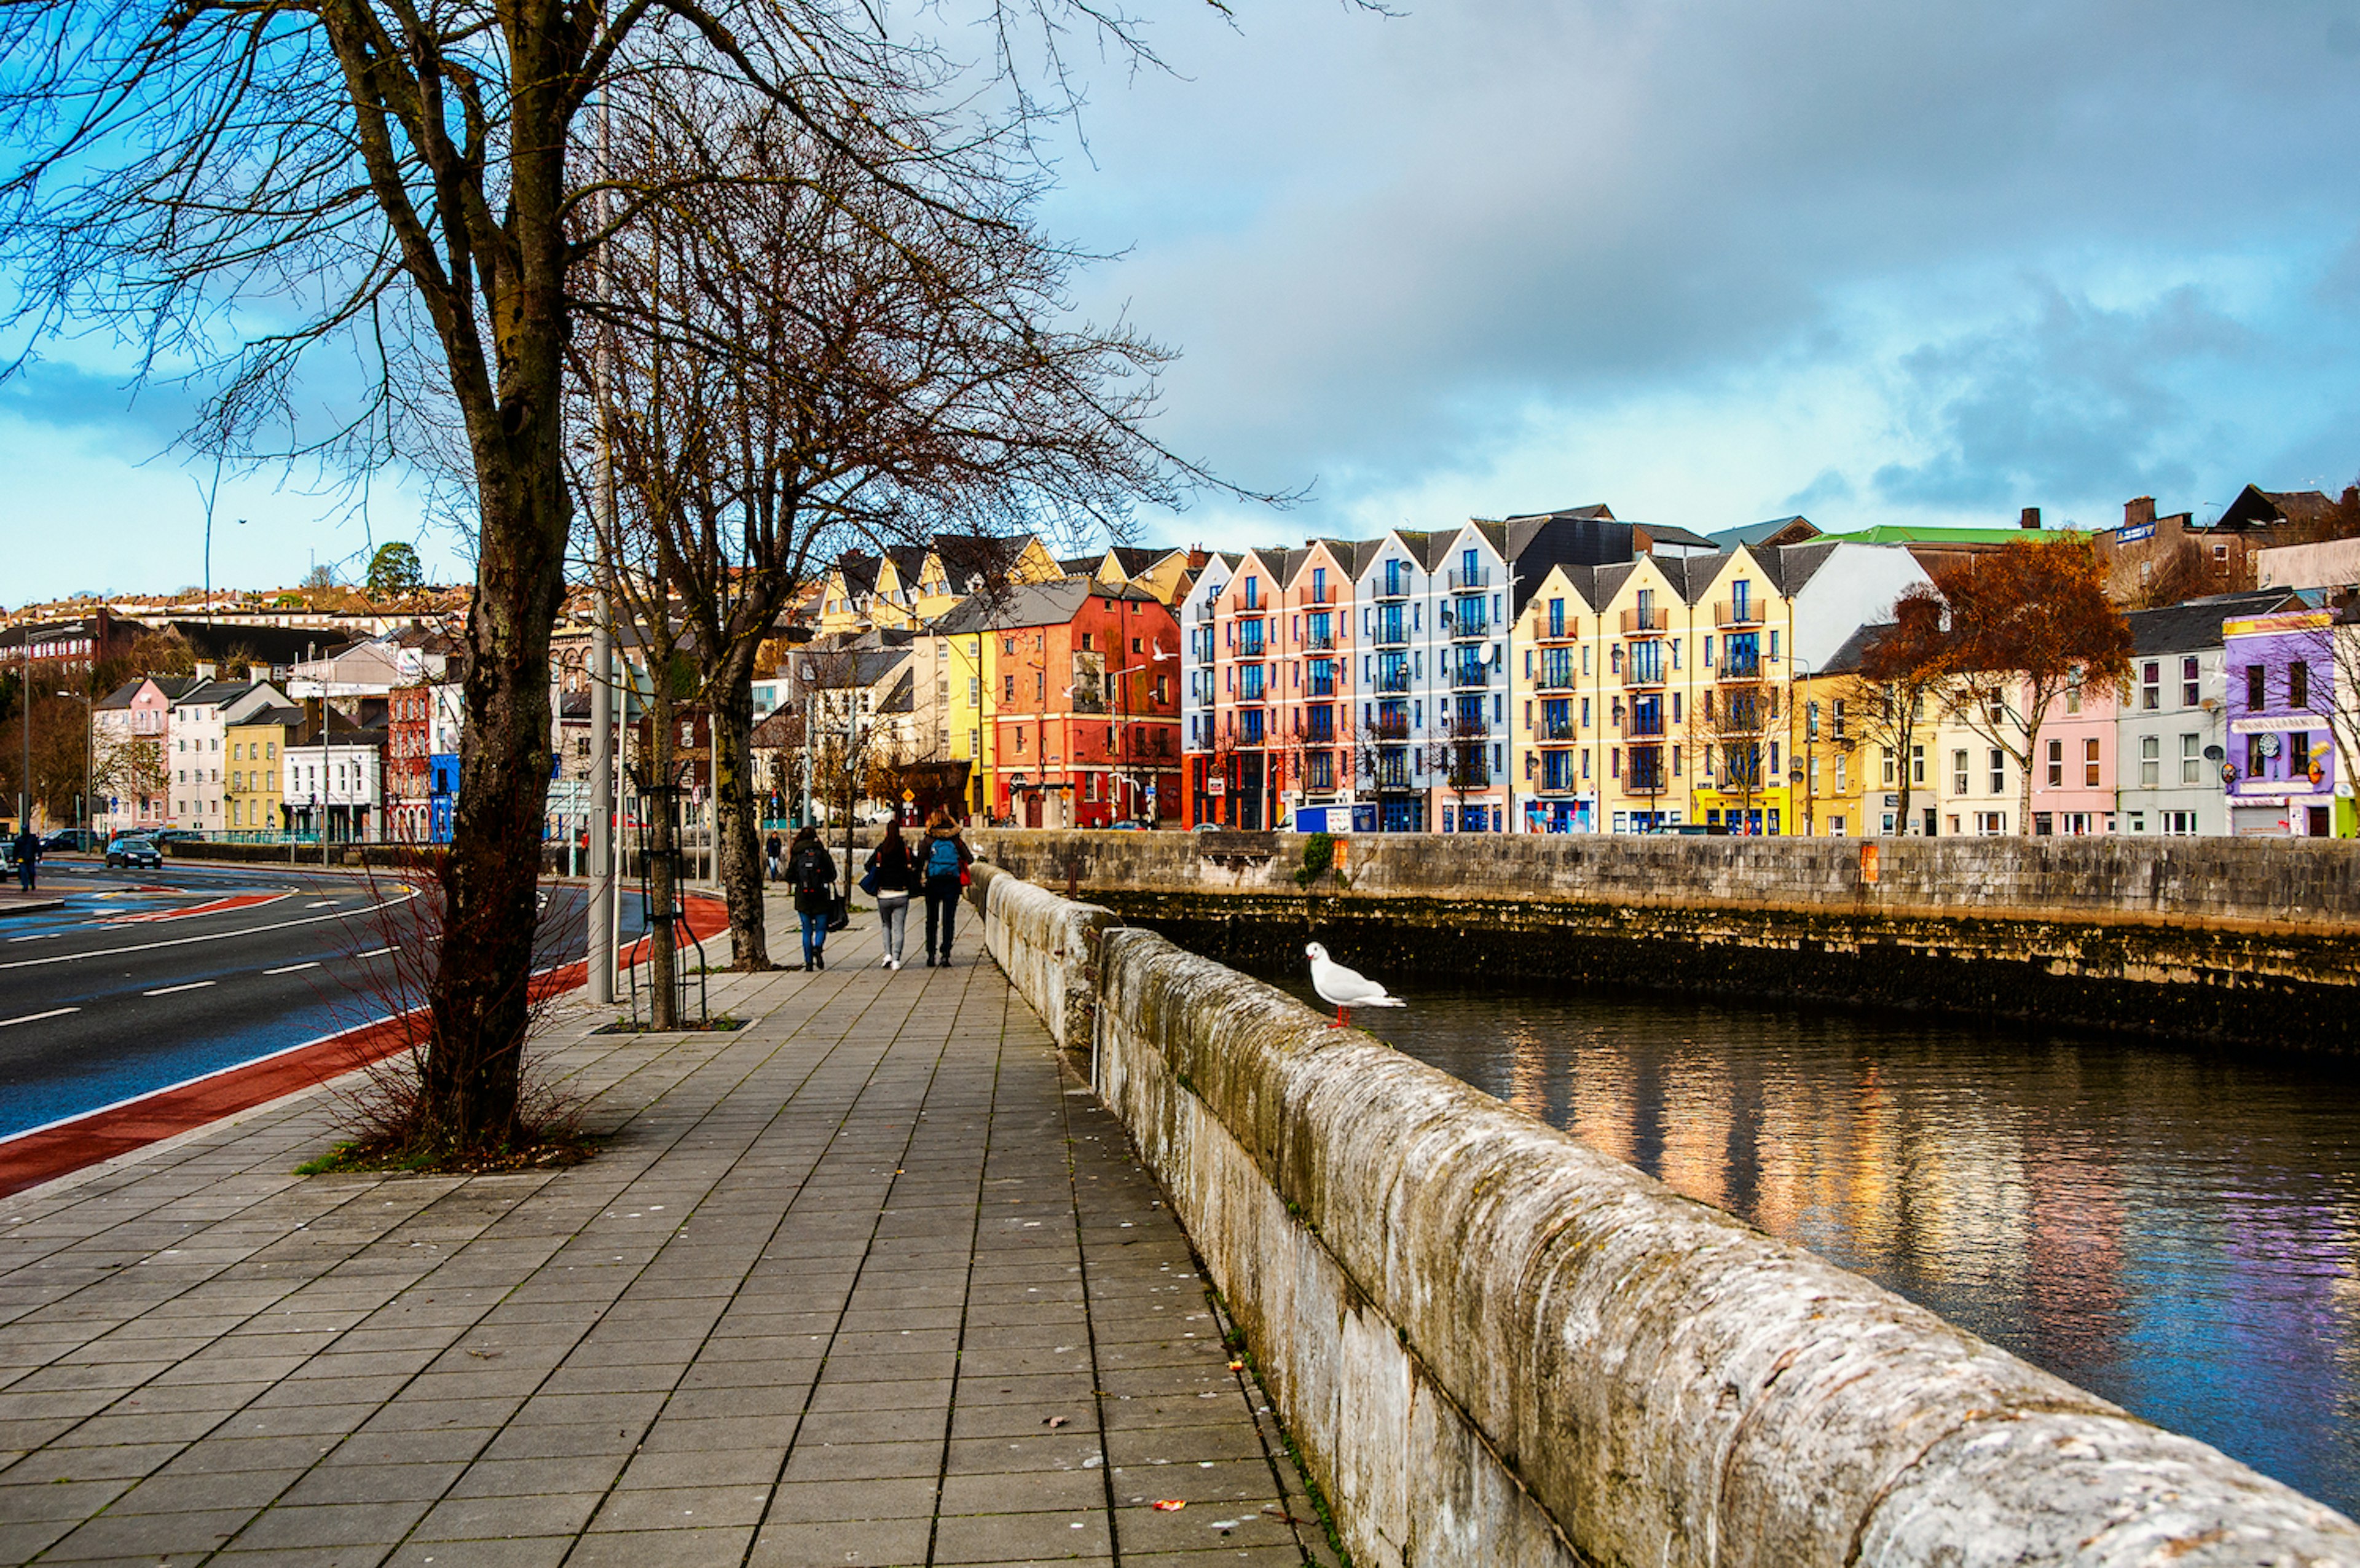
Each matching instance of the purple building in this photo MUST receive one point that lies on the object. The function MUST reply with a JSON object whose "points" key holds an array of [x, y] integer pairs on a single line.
{"points": [[2280, 690]]}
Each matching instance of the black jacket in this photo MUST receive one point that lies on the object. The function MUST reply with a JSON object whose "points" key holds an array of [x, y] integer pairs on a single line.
{"points": [[896, 872], [810, 871]]}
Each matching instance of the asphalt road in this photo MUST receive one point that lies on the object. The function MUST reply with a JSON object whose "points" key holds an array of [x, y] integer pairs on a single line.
{"points": [[149, 978]]}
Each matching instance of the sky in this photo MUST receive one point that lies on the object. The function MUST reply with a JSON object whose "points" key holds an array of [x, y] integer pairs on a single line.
{"points": [[1705, 261]]}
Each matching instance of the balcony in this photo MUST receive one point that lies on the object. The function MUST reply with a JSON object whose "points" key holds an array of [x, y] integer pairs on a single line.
{"points": [[1564, 732], [1395, 728], [1463, 628], [1637, 621], [1393, 634], [1471, 676], [1555, 680], [1649, 727], [1739, 669], [1319, 642], [1569, 631], [1478, 578], [1393, 681], [1737, 612], [1250, 642], [1390, 587], [1202, 613], [1637, 676], [1315, 596]]}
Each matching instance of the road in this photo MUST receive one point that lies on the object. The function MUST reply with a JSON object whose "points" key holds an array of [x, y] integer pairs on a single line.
{"points": [[149, 978]]}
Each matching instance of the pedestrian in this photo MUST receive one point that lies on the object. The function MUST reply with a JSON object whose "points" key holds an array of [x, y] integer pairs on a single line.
{"points": [[776, 849], [947, 858], [894, 871], [28, 855], [810, 871]]}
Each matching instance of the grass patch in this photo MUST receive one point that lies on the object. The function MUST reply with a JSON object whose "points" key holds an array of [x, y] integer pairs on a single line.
{"points": [[720, 1021], [555, 1152]]}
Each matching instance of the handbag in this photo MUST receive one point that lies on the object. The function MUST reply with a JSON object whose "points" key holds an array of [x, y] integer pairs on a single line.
{"points": [[839, 913], [964, 879], [869, 881]]}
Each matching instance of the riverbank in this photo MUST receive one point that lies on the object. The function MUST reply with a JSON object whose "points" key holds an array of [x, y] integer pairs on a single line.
{"points": [[2215, 940]]}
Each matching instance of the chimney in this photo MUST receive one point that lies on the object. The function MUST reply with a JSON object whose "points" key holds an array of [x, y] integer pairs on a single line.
{"points": [[205, 671], [2030, 519], [2138, 509]]}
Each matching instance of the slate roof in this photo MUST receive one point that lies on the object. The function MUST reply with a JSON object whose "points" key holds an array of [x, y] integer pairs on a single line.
{"points": [[1761, 532], [1846, 661], [2196, 622]]}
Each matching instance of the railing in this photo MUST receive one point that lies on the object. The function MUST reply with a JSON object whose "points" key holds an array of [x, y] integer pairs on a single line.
{"points": [[1560, 732], [1737, 612], [1637, 674], [1316, 642], [1478, 578], [1739, 669], [1555, 680], [1202, 612], [1390, 729], [1464, 627], [1316, 595], [1393, 634], [1393, 681], [1645, 621], [1389, 587], [1637, 728], [1469, 677], [1569, 631]]}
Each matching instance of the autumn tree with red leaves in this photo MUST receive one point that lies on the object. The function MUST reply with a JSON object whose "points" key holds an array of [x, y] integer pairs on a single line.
{"points": [[2027, 622]]}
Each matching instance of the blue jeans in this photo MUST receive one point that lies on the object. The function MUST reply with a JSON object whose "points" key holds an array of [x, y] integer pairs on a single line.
{"points": [[815, 923]]}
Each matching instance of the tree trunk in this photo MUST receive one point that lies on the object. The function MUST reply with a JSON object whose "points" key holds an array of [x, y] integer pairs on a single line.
{"points": [[736, 819], [478, 998], [664, 840]]}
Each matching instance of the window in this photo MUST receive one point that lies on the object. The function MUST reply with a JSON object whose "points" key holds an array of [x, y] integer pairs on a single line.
{"points": [[1007, 688], [1811, 722], [2090, 763], [1557, 617], [2056, 765], [2256, 688], [2151, 761], [1916, 764], [2298, 684], [1959, 772], [1998, 771], [2190, 761], [1842, 786], [1990, 824], [2255, 761], [1890, 770]]}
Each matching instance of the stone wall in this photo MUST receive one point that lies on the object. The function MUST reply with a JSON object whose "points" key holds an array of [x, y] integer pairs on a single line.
{"points": [[1496, 1346], [2214, 940]]}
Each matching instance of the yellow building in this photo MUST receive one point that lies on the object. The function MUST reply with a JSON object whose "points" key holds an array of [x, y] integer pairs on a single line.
{"points": [[961, 647], [1552, 705], [1643, 688], [1836, 763], [253, 777], [906, 587], [1741, 709], [1158, 572]]}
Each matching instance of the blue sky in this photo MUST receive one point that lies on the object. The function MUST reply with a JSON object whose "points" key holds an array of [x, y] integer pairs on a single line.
{"points": [[1702, 260]]}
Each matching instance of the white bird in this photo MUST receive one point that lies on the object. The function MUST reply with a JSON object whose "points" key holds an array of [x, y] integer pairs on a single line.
{"points": [[1348, 988]]}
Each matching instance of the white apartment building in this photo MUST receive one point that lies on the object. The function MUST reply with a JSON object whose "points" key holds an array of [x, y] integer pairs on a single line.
{"points": [[192, 747]]}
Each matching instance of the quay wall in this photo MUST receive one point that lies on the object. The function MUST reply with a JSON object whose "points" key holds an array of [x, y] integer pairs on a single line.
{"points": [[2227, 941], [1494, 1346]]}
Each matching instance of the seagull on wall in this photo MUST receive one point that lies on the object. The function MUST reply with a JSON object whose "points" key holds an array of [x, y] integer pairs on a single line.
{"points": [[1348, 988]]}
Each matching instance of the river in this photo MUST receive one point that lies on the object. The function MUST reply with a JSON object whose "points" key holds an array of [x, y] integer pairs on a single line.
{"points": [[2174, 1231]]}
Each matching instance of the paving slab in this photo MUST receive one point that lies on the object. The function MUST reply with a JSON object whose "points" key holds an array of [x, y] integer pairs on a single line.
{"points": [[873, 1280]]}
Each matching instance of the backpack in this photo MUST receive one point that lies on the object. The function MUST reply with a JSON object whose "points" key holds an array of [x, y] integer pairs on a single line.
{"points": [[943, 858], [813, 871]]}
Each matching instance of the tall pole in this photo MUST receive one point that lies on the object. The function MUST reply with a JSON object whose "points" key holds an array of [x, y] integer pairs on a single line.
{"points": [[602, 909], [25, 694]]}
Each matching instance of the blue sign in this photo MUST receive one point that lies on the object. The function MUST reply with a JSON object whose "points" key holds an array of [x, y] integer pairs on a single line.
{"points": [[2134, 533]]}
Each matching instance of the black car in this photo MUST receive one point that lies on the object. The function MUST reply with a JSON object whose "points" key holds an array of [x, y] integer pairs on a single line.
{"points": [[131, 851], [69, 841]]}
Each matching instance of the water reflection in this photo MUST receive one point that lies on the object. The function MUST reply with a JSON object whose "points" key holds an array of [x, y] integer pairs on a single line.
{"points": [[2176, 1232]]}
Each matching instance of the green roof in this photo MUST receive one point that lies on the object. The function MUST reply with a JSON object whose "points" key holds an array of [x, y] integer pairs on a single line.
{"points": [[1913, 533]]}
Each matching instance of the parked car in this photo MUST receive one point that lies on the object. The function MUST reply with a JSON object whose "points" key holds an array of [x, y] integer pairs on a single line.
{"points": [[1130, 826], [172, 835], [130, 850], [70, 841]]}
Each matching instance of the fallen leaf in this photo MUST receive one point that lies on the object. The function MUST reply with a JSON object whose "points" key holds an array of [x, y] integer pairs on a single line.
{"points": [[1169, 1505], [1237, 1365], [1056, 1421]]}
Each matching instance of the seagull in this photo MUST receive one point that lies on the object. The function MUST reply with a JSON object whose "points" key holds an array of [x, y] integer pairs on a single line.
{"points": [[1348, 988]]}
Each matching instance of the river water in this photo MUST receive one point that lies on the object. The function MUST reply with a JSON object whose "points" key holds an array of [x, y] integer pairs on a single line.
{"points": [[2176, 1232]]}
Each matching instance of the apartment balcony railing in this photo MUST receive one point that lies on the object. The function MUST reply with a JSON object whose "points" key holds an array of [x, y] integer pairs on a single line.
{"points": [[1390, 587], [1318, 642], [1478, 578], [1739, 669], [1637, 728], [1469, 677], [1637, 621], [1563, 732], [1737, 612], [1389, 680], [1316, 595], [1556, 680], [1390, 729], [1465, 627], [1393, 634], [1569, 631], [1393, 779], [1464, 729], [1641, 675], [1201, 614]]}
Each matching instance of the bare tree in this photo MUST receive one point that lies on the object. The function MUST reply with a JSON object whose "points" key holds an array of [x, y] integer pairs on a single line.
{"points": [[1899, 683], [405, 183]]}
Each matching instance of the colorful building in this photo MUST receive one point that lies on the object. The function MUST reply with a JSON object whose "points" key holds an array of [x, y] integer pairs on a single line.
{"points": [[2282, 769], [1086, 716], [257, 745]]}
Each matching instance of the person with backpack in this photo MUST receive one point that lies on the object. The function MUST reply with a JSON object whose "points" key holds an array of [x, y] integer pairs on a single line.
{"points": [[947, 857], [892, 873], [811, 872], [29, 859]]}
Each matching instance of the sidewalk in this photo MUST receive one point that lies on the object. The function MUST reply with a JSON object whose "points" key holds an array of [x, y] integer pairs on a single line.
{"points": [[871, 1280]]}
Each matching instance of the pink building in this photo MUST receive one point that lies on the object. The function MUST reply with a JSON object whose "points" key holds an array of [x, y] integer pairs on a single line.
{"points": [[1280, 737], [2073, 772], [127, 730]]}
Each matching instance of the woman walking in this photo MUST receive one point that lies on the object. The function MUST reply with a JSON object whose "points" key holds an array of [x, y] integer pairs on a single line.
{"points": [[810, 871], [896, 872], [947, 862]]}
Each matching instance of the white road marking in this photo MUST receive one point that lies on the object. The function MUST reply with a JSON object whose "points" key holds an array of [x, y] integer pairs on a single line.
{"points": [[36, 1018], [38, 936], [185, 940], [192, 985], [378, 951], [289, 969]]}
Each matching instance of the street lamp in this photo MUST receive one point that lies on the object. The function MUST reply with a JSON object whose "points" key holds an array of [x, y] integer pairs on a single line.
{"points": [[89, 821]]}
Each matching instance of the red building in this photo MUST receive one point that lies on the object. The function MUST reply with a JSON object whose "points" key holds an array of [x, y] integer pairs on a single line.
{"points": [[409, 729], [1087, 721]]}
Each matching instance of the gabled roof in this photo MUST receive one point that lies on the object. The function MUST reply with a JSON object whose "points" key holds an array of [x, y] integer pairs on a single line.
{"points": [[1764, 532], [2257, 507], [1847, 659], [283, 717], [1597, 511], [121, 696], [2195, 624], [1667, 533], [858, 571]]}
